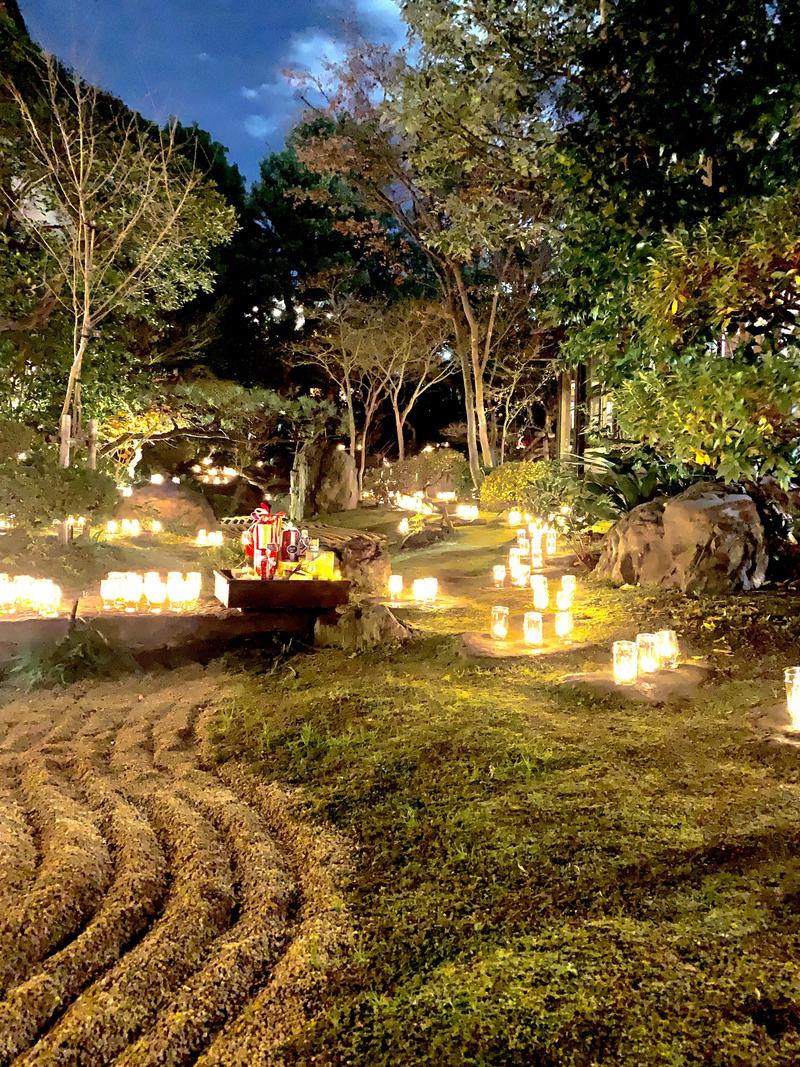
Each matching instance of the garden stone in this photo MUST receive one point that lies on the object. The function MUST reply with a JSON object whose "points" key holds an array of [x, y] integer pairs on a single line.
{"points": [[708, 539], [174, 505], [362, 626], [363, 557], [660, 687]]}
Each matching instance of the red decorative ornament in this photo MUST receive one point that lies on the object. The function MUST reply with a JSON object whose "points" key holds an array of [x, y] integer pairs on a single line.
{"points": [[263, 540]]}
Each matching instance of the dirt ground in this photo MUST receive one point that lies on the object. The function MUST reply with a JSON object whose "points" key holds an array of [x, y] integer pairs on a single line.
{"points": [[151, 911]]}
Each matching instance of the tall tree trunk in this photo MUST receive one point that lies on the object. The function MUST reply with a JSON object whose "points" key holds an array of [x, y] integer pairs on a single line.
{"points": [[476, 368], [469, 410], [69, 396], [398, 423], [483, 424]]}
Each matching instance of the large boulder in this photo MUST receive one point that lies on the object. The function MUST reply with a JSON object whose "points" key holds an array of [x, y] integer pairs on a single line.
{"points": [[708, 539], [177, 506], [363, 557], [324, 480]]}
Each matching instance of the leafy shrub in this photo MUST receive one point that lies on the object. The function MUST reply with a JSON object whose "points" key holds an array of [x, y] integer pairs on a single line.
{"points": [[38, 492], [84, 653], [542, 487], [441, 469], [615, 483]]}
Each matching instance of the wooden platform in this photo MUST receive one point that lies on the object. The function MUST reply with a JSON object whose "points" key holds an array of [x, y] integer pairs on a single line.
{"points": [[283, 595]]}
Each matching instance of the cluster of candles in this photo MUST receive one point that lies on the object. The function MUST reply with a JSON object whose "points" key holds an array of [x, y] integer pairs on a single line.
{"points": [[214, 475], [209, 538], [423, 590], [131, 527], [533, 621], [467, 512], [23, 593], [650, 652], [534, 542], [132, 591]]}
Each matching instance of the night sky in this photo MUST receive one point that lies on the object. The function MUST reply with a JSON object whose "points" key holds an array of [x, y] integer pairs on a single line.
{"points": [[214, 62]]}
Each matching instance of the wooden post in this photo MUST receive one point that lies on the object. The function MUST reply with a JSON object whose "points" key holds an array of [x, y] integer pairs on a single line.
{"points": [[564, 420], [65, 440], [91, 441]]}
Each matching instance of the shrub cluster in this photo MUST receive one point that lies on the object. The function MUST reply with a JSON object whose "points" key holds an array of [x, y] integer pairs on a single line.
{"points": [[440, 470], [541, 487]]}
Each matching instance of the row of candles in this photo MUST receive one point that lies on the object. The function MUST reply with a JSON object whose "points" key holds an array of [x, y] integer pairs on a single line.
{"points": [[132, 527], [23, 593], [650, 652], [423, 590], [132, 591], [533, 621]]}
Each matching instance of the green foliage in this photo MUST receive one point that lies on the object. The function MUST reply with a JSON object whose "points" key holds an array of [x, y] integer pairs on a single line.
{"points": [[37, 492], [541, 487], [83, 653], [441, 469], [616, 482], [732, 413]]}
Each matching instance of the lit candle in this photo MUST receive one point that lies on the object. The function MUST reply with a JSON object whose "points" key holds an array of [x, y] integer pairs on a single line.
{"points": [[541, 597], [107, 591], [668, 649], [125, 526], [175, 594], [536, 560], [563, 622], [155, 526], [499, 575], [569, 581], [192, 587], [425, 590], [202, 538], [136, 528], [500, 623], [514, 517], [624, 656], [112, 527], [550, 541], [532, 628], [395, 586], [791, 677], [563, 599], [521, 575], [133, 591], [403, 527], [155, 591], [647, 645], [515, 555]]}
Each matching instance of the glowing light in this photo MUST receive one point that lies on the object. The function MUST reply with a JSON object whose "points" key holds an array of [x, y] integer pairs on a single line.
{"points": [[500, 623], [155, 591], [467, 512], [563, 624], [550, 542], [541, 596], [425, 590], [155, 526], [533, 628], [563, 599], [156, 479], [647, 645], [446, 496], [569, 581], [624, 658], [514, 517], [791, 678], [403, 527], [395, 586], [668, 649], [341, 448], [499, 575]]}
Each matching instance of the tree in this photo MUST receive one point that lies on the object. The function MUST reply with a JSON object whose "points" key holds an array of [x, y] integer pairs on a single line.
{"points": [[122, 217], [412, 355], [468, 224]]}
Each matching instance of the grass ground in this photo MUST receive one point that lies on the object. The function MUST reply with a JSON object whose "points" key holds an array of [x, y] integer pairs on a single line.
{"points": [[539, 877]]}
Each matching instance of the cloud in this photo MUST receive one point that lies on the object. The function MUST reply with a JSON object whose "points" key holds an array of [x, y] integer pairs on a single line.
{"points": [[248, 93], [204, 57], [259, 126]]}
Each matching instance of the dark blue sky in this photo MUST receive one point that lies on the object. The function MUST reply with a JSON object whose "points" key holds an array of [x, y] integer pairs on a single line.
{"points": [[216, 62]]}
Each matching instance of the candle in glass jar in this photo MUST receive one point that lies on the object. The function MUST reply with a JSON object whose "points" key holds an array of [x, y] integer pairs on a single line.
{"points": [[668, 649], [499, 623], [532, 628], [563, 624], [541, 597], [791, 677], [499, 575], [425, 590], [647, 645], [395, 586], [563, 599], [569, 581], [625, 656], [514, 517], [550, 541]]}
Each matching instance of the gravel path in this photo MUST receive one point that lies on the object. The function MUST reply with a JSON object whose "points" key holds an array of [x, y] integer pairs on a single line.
{"points": [[152, 910]]}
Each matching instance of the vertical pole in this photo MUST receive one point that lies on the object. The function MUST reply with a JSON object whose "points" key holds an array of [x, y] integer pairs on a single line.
{"points": [[581, 403], [564, 420]]}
